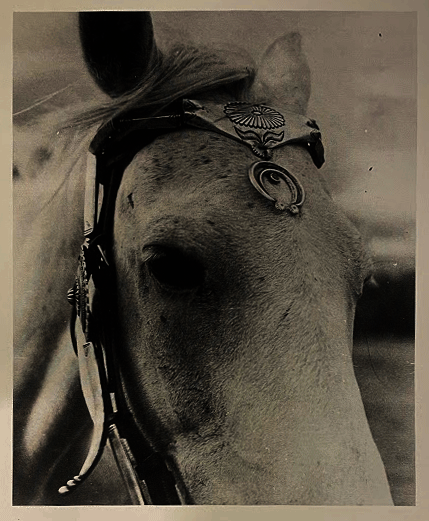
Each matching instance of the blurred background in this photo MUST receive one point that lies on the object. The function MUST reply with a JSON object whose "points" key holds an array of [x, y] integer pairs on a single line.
{"points": [[364, 89]]}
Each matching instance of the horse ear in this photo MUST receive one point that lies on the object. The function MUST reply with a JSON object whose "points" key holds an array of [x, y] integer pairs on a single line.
{"points": [[283, 77], [118, 47]]}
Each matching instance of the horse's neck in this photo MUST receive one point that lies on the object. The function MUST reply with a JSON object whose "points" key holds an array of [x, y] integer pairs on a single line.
{"points": [[48, 223]]}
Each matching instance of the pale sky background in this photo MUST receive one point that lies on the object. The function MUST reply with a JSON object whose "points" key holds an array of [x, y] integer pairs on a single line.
{"points": [[364, 88]]}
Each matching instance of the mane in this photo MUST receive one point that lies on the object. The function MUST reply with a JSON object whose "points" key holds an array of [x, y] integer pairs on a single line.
{"points": [[187, 71], [50, 155], [47, 134]]}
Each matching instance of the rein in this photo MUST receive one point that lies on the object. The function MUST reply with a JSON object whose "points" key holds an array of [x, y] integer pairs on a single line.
{"points": [[145, 472]]}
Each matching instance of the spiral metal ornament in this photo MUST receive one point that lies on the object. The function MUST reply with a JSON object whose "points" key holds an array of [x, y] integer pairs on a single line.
{"points": [[269, 177]]}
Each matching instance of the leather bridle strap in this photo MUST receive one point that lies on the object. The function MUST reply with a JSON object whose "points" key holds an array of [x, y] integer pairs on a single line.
{"points": [[99, 380], [261, 128]]}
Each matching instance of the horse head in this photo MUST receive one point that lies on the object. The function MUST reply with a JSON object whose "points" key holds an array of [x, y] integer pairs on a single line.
{"points": [[229, 299]]}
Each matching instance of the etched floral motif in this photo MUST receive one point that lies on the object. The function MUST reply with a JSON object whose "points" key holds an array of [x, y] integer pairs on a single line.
{"points": [[260, 143], [254, 116]]}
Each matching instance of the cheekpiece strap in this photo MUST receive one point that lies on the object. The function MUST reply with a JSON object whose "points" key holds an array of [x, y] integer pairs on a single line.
{"points": [[91, 367]]}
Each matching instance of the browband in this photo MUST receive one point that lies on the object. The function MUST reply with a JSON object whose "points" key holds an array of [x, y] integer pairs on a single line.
{"points": [[262, 129]]}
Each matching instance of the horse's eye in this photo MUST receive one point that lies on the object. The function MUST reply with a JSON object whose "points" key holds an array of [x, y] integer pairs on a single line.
{"points": [[176, 270]]}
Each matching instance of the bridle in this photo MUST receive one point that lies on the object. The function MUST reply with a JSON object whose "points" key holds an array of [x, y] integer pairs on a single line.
{"points": [[262, 128]]}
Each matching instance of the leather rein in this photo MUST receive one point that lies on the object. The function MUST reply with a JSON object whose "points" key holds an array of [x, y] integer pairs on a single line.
{"points": [[145, 472]]}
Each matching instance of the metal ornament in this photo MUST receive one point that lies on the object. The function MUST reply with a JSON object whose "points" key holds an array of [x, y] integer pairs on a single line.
{"points": [[268, 177], [257, 123], [258, 126]]}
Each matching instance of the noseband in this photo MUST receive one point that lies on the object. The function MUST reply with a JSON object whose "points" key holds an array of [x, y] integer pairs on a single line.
{"points": [[261, 128]]}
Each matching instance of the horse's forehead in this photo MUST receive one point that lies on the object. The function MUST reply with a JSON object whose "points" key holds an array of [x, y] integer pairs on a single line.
{"points": [[178, 159], [200, 168], [193, 187]]}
